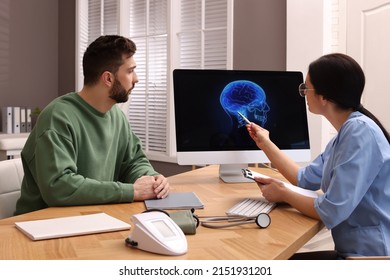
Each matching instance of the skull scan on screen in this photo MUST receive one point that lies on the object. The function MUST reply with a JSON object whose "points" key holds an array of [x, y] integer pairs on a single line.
{"points": [[245, 97]]}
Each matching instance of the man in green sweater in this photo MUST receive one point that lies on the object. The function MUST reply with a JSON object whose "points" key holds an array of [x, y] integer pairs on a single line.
{"points": [[82, 149]]}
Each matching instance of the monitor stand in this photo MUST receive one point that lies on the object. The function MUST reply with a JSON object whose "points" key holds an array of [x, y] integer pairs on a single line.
{"points": [[231, 173]]}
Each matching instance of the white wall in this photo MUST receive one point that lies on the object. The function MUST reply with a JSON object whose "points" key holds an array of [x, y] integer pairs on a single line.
{"points": [[309, 37]]}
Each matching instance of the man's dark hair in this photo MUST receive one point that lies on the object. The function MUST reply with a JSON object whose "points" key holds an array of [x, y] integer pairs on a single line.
{"points": [[106, 53]]}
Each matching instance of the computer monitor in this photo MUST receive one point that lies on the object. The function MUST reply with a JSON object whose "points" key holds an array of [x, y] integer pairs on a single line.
{"points": [[209, 129]]}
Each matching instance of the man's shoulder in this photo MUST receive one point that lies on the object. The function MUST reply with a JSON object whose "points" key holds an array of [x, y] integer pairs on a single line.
{"points": [[60, 103], [61, 99], [58, 111]]}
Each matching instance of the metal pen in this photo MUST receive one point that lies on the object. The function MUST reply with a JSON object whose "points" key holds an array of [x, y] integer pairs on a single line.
{"points": [[245, 119]]}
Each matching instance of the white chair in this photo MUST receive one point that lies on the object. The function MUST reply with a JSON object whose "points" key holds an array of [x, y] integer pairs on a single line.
{"points": [[11, 175]]}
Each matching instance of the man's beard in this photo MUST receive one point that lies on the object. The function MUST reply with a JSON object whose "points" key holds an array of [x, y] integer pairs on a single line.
{"points": [[119, 93]]}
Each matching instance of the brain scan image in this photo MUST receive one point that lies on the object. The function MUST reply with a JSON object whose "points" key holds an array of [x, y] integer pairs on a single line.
{"points": [[245, 97]]}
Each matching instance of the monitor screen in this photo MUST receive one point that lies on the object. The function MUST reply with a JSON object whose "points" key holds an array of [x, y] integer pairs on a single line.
{"points": [[210, 129]]}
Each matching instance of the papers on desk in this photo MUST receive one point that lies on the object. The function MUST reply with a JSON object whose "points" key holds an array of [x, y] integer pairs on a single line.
{"points": [[71, 226], [175, 200]]}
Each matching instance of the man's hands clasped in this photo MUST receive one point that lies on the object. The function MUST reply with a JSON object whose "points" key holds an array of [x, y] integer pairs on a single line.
{"points": [[149, 187]]}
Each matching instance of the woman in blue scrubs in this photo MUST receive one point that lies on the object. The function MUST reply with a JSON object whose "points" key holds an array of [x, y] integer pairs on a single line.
{"points": [[353, 171]]}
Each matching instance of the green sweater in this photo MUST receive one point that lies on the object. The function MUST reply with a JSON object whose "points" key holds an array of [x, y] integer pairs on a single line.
{"points": [[76, 155]]}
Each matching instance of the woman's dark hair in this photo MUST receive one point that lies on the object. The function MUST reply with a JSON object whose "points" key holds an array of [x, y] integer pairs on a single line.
{"points": [[105, 54], [340, 79]]}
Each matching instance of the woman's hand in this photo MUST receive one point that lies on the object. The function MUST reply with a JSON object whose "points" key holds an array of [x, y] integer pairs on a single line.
{"points": [[258, 134], [272, 189]]}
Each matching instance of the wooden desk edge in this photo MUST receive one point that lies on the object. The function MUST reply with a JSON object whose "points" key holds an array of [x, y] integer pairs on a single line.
{"points": [[124, 211]]}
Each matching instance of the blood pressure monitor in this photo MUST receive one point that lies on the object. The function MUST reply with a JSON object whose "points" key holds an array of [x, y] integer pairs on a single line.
{"points": [[157, 233]]}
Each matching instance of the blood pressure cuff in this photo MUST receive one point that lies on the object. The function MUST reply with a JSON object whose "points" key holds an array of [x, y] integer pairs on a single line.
{"points": [[186, 220]]}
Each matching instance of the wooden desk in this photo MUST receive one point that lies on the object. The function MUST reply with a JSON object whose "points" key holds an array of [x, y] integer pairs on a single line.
{"points": [[289, 230]]}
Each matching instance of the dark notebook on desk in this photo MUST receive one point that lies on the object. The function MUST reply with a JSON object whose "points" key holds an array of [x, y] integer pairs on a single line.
{"points": [[176, 200]]}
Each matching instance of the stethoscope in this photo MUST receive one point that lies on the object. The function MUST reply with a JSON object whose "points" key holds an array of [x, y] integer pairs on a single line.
{"points": [[263, 220]]}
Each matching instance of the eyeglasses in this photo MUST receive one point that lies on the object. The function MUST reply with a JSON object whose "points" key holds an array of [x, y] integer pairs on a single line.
{"points": [[303, 88]]}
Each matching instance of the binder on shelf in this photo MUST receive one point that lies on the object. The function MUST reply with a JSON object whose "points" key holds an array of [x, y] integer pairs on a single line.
{"points": [[28, 120], [6, 119], [23, 121], [16, 119]]}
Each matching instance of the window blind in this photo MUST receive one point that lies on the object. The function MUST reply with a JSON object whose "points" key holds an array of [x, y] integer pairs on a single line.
{"points": [[203, 34], [148, 28], [200, 41]]}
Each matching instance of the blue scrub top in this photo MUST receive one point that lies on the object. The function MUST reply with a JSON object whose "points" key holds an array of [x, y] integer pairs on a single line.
{"points": [[354, 174]]}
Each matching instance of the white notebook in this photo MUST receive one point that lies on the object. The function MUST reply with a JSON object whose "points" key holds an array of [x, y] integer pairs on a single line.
{"points": [[71, 226]]}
